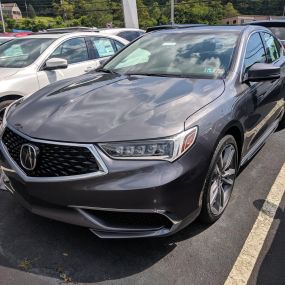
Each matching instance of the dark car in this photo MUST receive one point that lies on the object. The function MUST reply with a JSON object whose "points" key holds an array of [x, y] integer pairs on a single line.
{"points": [[276, 26], [154, 139], [172, 26]]}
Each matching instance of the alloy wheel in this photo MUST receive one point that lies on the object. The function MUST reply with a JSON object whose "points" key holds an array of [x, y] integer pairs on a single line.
{"points": [[223, 179]]}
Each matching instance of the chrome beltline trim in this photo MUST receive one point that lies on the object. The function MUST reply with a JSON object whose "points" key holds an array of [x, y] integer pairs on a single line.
{"points": [[103, 170]]}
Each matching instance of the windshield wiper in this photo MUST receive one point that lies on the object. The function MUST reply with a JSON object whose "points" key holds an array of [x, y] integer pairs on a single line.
{"points": [[156, 74], [106, 71]]}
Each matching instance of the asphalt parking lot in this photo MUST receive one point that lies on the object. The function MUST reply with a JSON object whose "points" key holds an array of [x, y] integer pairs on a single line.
{"points": [[34, 250]]}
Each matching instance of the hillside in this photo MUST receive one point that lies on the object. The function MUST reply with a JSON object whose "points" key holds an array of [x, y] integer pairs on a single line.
{"points": [[151, 12]]}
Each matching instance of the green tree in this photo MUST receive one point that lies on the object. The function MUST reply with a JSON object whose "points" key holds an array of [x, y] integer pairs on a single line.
{"points": [[230, 11], [10, 23], [145, 19], [31, 11], [64, 9], [155, 13]]}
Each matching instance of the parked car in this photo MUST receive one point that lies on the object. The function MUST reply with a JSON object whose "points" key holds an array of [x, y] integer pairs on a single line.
{"points": [[276, 26], [70, 30], [125, 33], [128, 34], [153, 139], [16, 35], [30, 63], [172, 26], [4, 40]]}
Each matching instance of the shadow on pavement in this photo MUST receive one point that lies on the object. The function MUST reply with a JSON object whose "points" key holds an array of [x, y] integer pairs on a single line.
{"points": [[272, 267], [49, 248]]}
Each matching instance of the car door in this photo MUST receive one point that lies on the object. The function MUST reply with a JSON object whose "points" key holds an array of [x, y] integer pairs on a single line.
{"points": [[262, 99], [75, 51]]}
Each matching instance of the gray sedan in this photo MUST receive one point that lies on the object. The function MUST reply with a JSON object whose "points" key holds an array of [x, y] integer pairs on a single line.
{"points": [[154, 139]]}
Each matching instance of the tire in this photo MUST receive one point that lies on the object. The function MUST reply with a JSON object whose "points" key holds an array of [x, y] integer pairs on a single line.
{"points": [[3, 105], [220, 180]]}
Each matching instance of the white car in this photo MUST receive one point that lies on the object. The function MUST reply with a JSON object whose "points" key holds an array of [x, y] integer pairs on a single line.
{"points": [[28, 64], [125, 33], [4, 40]]}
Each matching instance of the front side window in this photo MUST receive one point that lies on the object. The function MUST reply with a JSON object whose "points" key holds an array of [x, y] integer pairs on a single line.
{"points": [[273, 48], [20, 53], [74, 51], [103, 46], [205, 55], [255, 52]]}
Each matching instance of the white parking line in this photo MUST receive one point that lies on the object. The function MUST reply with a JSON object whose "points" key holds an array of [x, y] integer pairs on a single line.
{"points": [[247, 258]]}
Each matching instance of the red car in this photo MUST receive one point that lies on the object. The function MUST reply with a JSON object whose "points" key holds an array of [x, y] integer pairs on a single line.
{"points": [[17, 35]]}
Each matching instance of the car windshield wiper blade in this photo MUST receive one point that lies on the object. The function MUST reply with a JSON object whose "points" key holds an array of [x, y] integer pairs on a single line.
{"points": [[106, 71], [156, 74]]}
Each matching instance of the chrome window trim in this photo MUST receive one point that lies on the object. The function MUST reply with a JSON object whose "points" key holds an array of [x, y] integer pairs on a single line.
{"points": [[103, 170]]}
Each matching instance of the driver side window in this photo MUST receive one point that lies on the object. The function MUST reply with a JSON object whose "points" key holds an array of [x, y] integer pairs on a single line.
{"points": [[273, 48], [73, 50], [255, 52]]}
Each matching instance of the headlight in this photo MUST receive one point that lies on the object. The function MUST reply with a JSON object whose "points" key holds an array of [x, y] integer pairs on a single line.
{"points": [[162, 149]]}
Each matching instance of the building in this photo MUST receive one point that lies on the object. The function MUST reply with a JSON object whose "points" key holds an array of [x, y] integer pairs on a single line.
{"points": [[11, 10], [243, 19]]}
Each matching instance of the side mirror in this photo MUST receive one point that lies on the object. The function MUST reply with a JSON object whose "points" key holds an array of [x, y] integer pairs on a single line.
{"points": [[103, 61], [262, 72], [56, 63]]}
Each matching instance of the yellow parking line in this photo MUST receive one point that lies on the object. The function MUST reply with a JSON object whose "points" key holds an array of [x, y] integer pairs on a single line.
{"points": [[247, 258]]}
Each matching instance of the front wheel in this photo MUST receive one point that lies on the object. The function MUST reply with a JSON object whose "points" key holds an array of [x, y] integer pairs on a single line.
{"points": [[3, 106], [220, 180]]}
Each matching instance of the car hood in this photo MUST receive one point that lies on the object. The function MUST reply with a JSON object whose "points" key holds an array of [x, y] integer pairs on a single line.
{"points": [[7, 72], [103, 107]]}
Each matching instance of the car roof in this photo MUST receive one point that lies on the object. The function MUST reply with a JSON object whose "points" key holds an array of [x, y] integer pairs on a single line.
{"points": [[268, 23], [112, 30], [48, 35], [172, 26], [208, 29]]}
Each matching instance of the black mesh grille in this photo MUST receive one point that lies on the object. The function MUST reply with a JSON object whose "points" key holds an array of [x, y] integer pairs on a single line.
{"points": [[53, 160], [133, 220]]}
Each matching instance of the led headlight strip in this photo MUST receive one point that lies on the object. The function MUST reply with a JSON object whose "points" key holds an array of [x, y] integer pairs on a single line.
{"points": [[161, 149]]}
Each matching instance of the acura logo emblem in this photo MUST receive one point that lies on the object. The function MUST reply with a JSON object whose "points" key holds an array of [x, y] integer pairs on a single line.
{"points": [[28, 156]]}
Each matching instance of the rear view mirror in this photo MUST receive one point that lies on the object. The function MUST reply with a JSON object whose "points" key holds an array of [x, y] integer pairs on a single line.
{"points": [[262, 72], [56, 63]]}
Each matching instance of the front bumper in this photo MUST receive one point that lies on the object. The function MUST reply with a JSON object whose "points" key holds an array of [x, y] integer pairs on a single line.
{"points": [[132, 198]]}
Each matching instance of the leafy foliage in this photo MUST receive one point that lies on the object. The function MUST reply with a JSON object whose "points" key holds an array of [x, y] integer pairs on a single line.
{"points": [[97, 13]]}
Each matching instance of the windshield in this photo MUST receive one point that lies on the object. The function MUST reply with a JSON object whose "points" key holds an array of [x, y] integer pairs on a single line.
{"points": [[203, 55], [22, 52], [279, 32]]}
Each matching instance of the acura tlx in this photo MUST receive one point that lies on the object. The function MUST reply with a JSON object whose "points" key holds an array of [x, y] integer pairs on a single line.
{"points": [[151, 140]]}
